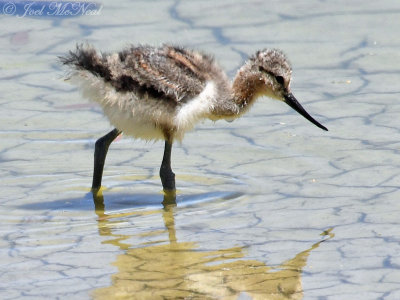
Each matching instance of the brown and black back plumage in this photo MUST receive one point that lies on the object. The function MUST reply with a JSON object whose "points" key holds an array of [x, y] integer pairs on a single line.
{"points": [[169, 72]]}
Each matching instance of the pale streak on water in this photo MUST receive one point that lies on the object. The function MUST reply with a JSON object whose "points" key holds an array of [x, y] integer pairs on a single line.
{"points": [[269, 206]]}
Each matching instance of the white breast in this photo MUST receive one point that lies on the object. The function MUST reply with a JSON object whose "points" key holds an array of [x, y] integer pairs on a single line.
{"points": [[196, 109]]}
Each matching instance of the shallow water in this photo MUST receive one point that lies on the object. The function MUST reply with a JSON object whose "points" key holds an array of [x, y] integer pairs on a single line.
{"points": [[268, 206]]}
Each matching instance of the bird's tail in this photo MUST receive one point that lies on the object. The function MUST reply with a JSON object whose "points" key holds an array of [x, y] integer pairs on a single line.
{"points": [[86, 58]]}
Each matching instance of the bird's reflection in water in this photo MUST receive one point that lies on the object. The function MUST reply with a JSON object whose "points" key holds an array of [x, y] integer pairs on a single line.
{"points": [[179, 270]]}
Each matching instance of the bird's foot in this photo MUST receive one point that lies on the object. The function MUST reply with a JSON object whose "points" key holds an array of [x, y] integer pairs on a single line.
{"points": [[169, 198], [97, 193]]}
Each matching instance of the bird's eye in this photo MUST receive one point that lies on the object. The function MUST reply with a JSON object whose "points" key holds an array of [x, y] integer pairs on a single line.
{"points": [[280, 80]]}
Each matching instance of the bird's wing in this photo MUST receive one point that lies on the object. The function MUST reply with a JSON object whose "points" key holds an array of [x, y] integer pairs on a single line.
{"points": [[167, 72]]}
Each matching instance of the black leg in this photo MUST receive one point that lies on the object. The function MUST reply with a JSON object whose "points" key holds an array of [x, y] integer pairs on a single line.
{"points": [[166, 174], [100, 154]]}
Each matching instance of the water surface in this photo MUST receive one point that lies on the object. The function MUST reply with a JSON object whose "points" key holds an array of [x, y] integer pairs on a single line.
{"points": [[268, 207]]}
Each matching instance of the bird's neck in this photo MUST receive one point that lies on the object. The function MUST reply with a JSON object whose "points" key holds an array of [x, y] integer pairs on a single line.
{"points": [[239, 96], [246, 88]]}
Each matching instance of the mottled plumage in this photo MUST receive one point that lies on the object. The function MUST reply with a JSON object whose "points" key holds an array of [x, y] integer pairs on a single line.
{"points": [[161, 93], [156, 86]]}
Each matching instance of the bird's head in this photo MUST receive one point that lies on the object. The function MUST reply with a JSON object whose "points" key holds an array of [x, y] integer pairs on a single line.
{"points": [[273, 72]]}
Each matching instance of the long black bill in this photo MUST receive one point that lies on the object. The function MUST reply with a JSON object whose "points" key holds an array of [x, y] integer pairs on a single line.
{"points": [[293, 103]]}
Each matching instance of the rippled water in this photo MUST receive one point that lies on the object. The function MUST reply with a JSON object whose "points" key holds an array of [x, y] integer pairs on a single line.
{"points": [[268, 207]]}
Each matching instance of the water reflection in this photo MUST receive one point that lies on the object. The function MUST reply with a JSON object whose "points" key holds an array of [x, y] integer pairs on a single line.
{"points": [[178, 270]]}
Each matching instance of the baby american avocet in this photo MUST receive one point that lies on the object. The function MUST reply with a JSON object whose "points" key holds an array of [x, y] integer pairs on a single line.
{"points": [[160, 93]]}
